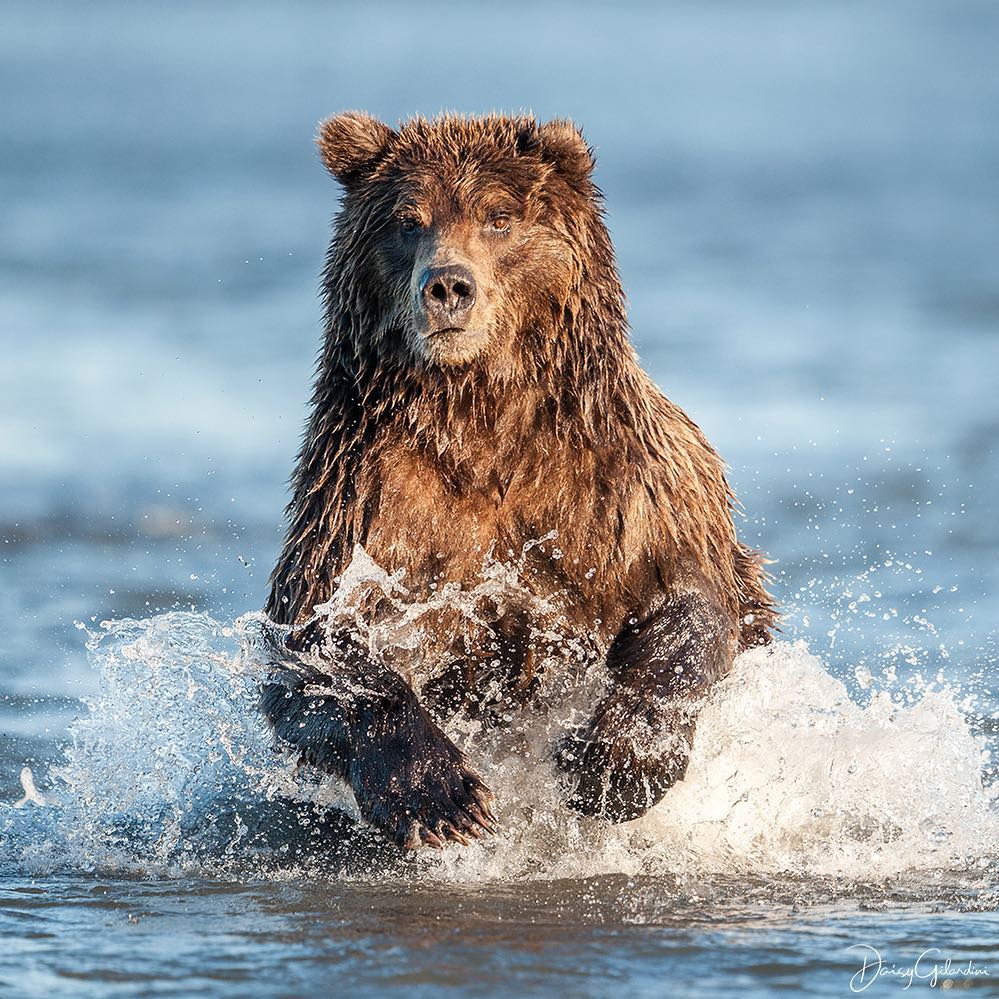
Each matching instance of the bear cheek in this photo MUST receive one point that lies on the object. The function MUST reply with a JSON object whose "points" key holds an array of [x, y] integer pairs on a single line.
{"points": [[391, 272], [541, 273]]}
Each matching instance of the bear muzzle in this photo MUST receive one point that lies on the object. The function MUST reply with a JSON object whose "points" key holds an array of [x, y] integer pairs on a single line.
{"points": [[447, 297]]}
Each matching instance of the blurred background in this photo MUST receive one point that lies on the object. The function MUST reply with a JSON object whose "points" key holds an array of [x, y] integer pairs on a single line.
{"points": [[805, 204]]}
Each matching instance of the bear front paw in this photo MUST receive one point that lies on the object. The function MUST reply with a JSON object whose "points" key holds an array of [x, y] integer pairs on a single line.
{"points": [[419, 789], [623, 763]]}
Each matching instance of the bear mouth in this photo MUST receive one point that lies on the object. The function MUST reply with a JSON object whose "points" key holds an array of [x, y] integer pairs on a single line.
{"points": [[445, 331], [452, 345]]}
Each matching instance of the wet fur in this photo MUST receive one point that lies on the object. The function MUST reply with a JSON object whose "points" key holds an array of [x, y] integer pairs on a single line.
{"points": [[554, 426]]}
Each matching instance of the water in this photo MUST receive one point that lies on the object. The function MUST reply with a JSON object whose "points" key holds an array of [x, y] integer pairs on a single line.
{"points": [[804, 203]]}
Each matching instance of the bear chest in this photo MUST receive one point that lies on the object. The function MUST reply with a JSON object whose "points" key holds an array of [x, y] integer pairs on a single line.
{"points": [[542, 517]]}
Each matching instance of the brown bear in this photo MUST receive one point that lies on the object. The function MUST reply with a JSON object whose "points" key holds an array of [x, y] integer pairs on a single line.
{"points": [[478, 397]]}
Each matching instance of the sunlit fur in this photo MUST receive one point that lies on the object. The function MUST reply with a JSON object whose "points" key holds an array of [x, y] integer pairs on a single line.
{"points": [[528, 433], [549, 423]]}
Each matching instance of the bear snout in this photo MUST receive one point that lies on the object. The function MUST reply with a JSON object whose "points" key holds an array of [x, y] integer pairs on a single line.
{"points": [[447, 295]]}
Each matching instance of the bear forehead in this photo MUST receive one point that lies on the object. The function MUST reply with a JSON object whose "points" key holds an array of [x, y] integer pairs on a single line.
{"points": [[468, 187], [473, 156]]}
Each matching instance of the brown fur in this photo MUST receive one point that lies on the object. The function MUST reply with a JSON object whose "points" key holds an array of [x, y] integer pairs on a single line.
{"points": [[539, 419]]}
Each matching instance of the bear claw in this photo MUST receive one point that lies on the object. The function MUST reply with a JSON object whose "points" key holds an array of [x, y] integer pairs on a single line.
{"points": [[462, 828], [447, 803]]}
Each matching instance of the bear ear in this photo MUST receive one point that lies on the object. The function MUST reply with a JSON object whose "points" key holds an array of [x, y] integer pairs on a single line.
{"points": [[563, 145], [352, 143]]}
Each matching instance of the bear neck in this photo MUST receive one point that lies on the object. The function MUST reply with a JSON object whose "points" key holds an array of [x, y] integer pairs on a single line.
{"points": [[576, 379]]}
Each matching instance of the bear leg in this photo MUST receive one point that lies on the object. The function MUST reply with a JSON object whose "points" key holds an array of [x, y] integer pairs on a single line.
{"points": [[637, 744], [363, 723]]}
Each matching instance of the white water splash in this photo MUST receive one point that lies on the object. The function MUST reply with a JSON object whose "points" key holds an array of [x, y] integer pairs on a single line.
{"points": [[173, 770], [788, 773], [31, 796], [788, 776]]}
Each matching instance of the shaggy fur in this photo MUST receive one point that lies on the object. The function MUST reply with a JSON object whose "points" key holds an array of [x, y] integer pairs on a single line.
{"points": [[434, 448]]}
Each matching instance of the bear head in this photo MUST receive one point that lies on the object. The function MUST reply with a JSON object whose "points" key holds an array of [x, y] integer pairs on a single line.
{"points": [[463, 241]]}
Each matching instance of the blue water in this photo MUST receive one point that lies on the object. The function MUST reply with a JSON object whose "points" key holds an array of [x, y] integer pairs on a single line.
{"points": [[805, 204]]}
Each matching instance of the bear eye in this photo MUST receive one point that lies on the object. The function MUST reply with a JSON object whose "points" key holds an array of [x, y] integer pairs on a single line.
{"points": [[499, 223], [410, 223]]}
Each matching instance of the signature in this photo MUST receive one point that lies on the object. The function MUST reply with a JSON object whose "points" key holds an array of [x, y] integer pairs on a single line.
{"points": [[932, 967]]}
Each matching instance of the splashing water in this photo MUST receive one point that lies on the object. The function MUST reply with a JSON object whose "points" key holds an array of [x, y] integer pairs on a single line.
{"points": [[173, 771]]}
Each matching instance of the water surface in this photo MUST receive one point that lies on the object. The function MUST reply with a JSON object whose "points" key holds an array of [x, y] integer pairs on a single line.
{"points": [[804, 204]]}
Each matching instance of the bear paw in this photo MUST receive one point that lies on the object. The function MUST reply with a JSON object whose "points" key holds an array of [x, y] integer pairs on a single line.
{"points": [[624, 761], [420, 790], [610, 781]]}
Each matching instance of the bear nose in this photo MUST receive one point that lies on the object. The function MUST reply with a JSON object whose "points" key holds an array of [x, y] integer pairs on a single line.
{"points": [[448, 293]]}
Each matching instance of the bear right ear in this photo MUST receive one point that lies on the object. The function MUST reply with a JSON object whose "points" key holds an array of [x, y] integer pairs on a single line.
{"points": [[352, 143], [562, 143]]}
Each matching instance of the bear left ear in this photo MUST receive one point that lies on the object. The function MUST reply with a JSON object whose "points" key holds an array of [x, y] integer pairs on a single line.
{"points": [[352, 143], [562, 144]]}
